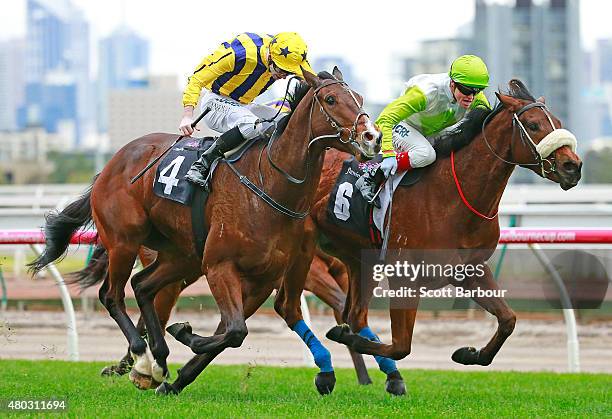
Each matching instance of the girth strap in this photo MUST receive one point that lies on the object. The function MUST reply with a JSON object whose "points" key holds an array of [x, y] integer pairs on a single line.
{"points": [[265, 197]]}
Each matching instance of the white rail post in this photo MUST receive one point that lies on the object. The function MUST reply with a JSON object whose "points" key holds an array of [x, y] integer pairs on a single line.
{"points": [[71, 329], [573, 350]]}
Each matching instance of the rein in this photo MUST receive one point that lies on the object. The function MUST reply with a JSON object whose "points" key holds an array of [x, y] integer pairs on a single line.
{"points": [[525, 138]]}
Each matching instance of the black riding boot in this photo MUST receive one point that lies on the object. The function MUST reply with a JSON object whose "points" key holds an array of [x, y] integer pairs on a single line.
{"points": [[227, 141]]}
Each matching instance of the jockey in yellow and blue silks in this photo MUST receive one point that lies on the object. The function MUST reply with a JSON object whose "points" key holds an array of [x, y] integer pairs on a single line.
{"points": [[430, 103], [232, 77]]}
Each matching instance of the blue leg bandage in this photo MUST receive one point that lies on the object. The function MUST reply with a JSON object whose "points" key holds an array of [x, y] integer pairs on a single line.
{"points": [[386, 365], [321, 355]]}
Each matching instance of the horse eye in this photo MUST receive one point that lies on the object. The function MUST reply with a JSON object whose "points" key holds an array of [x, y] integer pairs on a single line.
{"points": [[330, 100], [533, 126]]}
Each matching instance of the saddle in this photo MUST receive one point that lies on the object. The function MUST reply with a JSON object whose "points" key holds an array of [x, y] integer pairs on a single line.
{"points": [[170, 183], [348, 209]]}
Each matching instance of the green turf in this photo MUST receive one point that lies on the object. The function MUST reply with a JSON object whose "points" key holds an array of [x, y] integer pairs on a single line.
{"points": [[254, 391]]}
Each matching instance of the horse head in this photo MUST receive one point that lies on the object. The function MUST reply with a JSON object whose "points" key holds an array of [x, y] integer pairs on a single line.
{"points": [[545, 147], [337, 117]]}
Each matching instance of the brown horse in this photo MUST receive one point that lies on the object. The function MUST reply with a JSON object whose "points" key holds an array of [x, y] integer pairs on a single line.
{"points": [[431, 215], [252, 243], [327, 279]]}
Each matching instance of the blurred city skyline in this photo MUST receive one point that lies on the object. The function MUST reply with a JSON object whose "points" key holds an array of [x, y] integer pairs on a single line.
{"points": [[80, 75], [369, 38]]}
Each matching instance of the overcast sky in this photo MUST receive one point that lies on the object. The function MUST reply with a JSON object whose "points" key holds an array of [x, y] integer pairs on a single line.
{"points": [[367, 33]]}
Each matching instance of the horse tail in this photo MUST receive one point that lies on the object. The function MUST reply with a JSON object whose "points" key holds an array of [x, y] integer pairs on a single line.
{"points": [[59, 228], [94, 272]]}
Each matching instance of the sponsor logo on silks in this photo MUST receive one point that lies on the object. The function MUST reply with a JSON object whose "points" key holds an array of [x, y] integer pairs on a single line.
{"points": [[279, 103], [366, 165], [351, 172], [192, 143], [401, 130]]}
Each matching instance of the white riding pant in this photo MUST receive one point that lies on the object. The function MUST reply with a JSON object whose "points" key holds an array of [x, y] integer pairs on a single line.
{"points": [[407, 138], [226, 113]]}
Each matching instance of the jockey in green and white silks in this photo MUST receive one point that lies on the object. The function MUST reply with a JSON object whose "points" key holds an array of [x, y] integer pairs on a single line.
{"points": [[430, 103]]}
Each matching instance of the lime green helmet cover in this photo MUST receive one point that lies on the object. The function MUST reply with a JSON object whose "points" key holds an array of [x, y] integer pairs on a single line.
{"points": [[470, 70]]}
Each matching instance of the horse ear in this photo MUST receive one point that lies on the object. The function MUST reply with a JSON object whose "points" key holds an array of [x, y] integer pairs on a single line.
{"points": [[312, 80], [541, 99], [510, 103], [337, 73]]}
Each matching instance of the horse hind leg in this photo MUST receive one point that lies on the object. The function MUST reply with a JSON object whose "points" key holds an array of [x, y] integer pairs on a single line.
{"points": [[126, 363], [166, 271], [112, 296]]}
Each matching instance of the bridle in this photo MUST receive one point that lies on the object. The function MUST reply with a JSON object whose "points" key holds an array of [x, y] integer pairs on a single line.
{"points": [[351, 139], [542, 151], [540, 160]]}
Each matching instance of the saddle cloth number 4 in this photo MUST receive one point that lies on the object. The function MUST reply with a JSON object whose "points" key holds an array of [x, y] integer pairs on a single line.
{"points": [[172, 180]]}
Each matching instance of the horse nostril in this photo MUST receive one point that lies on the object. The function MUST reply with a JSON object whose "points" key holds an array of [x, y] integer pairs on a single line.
{"points": [[570, 167], [368, 136]]}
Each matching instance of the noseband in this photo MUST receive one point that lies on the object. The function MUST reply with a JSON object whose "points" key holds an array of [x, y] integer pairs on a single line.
{"points": [[543, 151]]}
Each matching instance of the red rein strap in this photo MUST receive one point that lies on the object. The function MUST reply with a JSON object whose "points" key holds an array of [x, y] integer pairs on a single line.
{"points": [[467, 204]]}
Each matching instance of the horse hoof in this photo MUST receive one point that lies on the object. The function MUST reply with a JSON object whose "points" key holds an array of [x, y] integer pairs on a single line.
{"points": [[165, 389], [177, 328], [325, 382], [467, 355], [364, 381], [337, 333], [141, 381], [110, 371], [395, 384]]}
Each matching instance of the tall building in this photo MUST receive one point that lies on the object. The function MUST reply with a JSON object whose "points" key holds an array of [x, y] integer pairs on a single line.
{"points": [[123, 64], [58, 86], [603, 61], [12, 83], [539, 43], [133, 113]]}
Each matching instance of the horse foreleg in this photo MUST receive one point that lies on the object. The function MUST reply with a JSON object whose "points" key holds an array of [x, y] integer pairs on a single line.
{"points": [[225, 285], [328, 280], [506, 320], [365, 341], [253, 295], [287, 305]]}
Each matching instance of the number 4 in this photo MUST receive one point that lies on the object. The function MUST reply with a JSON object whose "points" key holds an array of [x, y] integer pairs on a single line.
{"points": [[171, 181]]}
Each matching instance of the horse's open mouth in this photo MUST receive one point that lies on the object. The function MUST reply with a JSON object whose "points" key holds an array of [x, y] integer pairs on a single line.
{"points": [[567, 185]]}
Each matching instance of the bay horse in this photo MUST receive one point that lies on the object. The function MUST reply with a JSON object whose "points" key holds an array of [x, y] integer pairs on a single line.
{"points": [[252, 242], [327, 279], [454, 206]]}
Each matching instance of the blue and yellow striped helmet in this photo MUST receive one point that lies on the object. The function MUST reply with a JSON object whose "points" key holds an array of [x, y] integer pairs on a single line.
{"points": [[288, 51]]}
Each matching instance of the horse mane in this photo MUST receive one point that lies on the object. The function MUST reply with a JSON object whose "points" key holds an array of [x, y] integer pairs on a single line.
{"points": [[294, 98], [465, 132]]}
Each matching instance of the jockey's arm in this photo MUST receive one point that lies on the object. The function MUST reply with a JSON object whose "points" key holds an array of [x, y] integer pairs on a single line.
{"points": [[412, 101], [480, 100], [204, 75]]}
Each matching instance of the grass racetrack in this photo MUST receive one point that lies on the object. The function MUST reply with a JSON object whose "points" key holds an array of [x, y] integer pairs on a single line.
{"points": [[254, 391]]}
